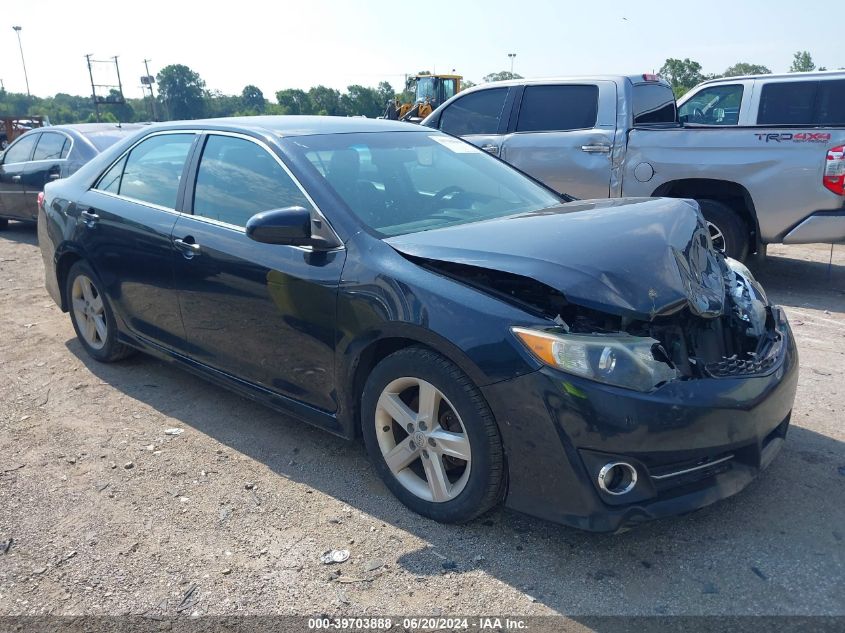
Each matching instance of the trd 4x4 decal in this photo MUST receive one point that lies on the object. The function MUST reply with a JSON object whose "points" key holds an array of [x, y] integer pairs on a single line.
{"points": [[797, 137]]}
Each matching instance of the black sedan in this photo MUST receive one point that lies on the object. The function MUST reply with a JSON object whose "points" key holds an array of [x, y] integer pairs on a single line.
{"points": [[594, 363], [46, 154]]}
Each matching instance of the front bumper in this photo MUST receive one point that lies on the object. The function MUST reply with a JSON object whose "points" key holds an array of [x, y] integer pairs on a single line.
{"points": [[692, 442]]}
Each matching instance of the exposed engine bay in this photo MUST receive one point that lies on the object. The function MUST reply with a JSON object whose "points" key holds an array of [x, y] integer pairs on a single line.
{"points": [[726, 329]]}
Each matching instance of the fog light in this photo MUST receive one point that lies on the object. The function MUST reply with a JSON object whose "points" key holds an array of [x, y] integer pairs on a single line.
{"points": [[617, 478]]}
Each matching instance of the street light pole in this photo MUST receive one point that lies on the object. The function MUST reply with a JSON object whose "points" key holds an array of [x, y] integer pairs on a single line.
{"points": [[511, 55], [17, 30]]}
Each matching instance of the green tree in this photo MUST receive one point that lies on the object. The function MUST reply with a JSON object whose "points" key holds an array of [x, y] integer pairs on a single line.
{"points": [[182, 91], [385, 93], [466, 83], [252, 98], [325, 100], [360, 100], [682, 74], [802, 62], [743, 68], [503, 75], [294, 101]]}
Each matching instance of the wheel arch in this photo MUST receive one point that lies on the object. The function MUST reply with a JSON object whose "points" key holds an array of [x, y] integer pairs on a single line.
{"points": [[66, 257], [732, 194]]}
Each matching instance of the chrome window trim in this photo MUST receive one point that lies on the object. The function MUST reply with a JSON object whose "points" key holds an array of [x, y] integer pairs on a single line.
{"points": [[281, 163], [144, 203]]}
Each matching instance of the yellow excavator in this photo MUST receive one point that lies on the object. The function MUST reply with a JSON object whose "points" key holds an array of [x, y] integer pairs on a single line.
{"points": [[429, 92]]}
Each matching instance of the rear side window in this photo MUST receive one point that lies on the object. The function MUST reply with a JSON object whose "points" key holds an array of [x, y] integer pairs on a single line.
{"points": [[654, 103], [475, 113], [558, 108], [803, 103], [238, 178], [21, 150], [51, 146], [152, 171]]}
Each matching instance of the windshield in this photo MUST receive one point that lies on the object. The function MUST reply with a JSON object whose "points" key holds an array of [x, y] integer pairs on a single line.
{"points": [[404, 182], [425, 89]]}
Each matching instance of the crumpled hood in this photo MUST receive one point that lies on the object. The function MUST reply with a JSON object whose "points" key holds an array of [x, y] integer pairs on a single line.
{"points": [[637, 258]]}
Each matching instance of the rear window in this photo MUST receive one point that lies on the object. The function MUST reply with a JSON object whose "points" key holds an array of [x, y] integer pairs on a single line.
{"points": [[654, 103], [558, 108], [103, 140], [802, 103]]}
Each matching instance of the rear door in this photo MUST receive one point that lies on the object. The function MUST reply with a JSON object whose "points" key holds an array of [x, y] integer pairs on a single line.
{"points": [[563, 135], [14, 202], [264, 313], [47, 162], [480, 117], [124, 225]]}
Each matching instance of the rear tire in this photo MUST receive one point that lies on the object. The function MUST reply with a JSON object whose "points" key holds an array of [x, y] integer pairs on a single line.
{"points": [[727, 229], [92, 315], [446, 459]]}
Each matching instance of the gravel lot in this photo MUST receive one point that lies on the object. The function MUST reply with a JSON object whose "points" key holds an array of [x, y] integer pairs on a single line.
{"points": [[108, 514]]}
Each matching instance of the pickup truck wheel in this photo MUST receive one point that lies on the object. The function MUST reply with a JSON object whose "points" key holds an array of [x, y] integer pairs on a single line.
{"points": [[727, 230]]}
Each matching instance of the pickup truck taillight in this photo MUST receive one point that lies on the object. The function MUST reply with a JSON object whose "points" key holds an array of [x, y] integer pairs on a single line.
{"points": [[834, 170]]}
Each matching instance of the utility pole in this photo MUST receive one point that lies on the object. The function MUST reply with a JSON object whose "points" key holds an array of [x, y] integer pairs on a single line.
{"points": [[17, 30], [511, 55], [93, 89], [150, 79]]}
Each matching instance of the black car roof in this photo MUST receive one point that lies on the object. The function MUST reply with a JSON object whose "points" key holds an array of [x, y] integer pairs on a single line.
{"points": [[297, 125]]}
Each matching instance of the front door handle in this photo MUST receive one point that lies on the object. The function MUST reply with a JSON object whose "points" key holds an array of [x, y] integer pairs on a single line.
{"points": [[493, 149], [597, 148], [54, 176], [16, 179], [188, 246], [89, 218]]}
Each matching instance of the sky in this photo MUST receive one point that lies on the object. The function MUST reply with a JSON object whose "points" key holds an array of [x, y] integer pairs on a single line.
{"points": [[285, 44]]}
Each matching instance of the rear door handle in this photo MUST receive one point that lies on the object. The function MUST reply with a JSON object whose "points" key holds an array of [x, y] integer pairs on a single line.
{"points": [[493, 149], [54, 176], [597, 148], [189, 249], [16, 178]]}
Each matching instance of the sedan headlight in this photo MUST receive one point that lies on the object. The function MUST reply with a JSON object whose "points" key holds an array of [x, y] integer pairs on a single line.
{"points": [[615, 359]]}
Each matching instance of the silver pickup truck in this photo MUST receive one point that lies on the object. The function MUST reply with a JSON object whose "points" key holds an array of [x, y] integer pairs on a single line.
{"points": [[764, 156]]}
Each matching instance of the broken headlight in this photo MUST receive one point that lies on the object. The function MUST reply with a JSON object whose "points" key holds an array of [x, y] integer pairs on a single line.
{"points": [[619, 359], [749, 298]]}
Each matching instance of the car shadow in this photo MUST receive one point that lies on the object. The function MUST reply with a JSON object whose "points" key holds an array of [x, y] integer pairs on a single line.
{"points": [[717, 560], [801, 283], [23, 232]]}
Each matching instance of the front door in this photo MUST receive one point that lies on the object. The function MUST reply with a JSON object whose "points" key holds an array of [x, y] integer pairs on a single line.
{"points": [[261, 312], [14, 202]]}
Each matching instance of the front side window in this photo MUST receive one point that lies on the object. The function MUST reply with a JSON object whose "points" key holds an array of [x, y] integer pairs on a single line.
{"points": [[404, 182], [717, 105], [154, 168], [20, 150], [238, 178], [475, 113], [51, 146], [558, 108]]}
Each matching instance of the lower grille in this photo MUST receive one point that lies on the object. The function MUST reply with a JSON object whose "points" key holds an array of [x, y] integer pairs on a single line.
{"points": [[735, 366]]}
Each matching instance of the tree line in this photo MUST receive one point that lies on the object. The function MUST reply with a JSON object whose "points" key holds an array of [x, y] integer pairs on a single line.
{"points": [[183, 94]]}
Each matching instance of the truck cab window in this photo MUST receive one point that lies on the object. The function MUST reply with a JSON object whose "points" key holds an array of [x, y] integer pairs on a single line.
{"points": [[717, 105]]}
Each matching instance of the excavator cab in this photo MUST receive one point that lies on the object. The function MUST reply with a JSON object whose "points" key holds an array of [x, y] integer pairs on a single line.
{"points": [[429, 91]]}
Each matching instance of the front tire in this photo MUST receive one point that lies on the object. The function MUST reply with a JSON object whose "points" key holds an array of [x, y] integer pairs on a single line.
{"points": [[431, 436], [92, 315], [727, 230]]}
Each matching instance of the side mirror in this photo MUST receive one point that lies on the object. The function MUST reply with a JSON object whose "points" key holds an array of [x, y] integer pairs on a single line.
{"points": [[290, 226]]}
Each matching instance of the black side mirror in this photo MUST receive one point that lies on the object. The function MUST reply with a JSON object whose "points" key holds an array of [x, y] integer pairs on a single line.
{"points": [[290, 226]]}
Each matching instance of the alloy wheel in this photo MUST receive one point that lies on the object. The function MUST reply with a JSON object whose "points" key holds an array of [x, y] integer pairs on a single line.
{"points": [[716, 237], [89, 312], [423, 440]]}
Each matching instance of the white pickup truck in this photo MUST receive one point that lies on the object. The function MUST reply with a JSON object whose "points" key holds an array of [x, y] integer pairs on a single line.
{"points": [[764, 155]]}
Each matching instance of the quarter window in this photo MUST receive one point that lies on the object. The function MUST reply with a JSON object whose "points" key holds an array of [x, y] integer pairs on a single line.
{"points": [[717, 105], [51, 146], [21, 150], [653, 103], [111, 179], [154, 168], [475, 113], [558, 108], [787, 103], [238, 178]]}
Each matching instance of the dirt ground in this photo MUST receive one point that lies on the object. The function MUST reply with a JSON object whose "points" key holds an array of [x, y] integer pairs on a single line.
{"points": [[108, 514]]}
